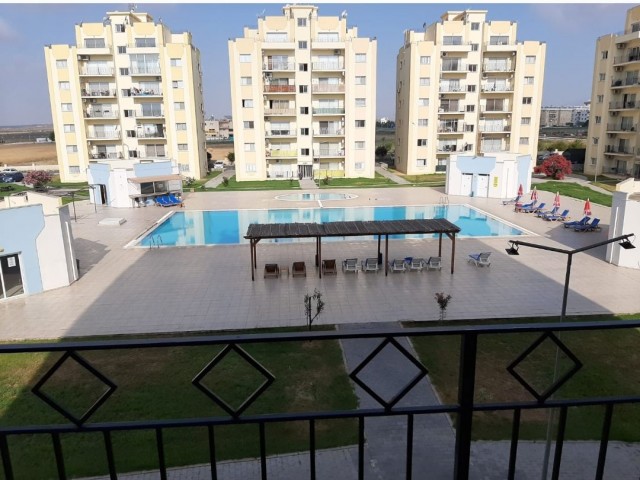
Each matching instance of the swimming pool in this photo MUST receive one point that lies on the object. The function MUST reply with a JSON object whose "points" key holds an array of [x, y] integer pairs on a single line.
{"points": [[310, 197], [228, 227]]}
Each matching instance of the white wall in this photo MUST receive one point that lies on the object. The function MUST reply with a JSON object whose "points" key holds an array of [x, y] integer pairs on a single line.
{"points": [[56, 252], [625, 219], [503, 175]]}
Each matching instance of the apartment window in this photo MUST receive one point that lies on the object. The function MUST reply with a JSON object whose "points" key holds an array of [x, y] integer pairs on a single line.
{"points": [[122, 49], [250, 167], [249, 147], [245, 81], [422, 142], [304, 152], [360, 80], [473, 67], [593, 160], [423, 122], [247, 103], [475, 47], [145, 42], [425, 60], [129, 113], [245, 58], [600, 98], [183, 147], [130, 133], [498, 40], [303, 88], [302, 22], [468, 128], [471, 88], [530, 59], [176, 62], [526, 100], [602, 76], [359, 123], [69, 128], [361, 58], [359, 145], [178, 105], [64, 85], [475, 26], [361, 102], [359, 165], [528, 80], [423, 102], [66, 107], [471, 108], [181, 126], [452, 40], [248, 125], [595, 140], [61, 64], [304, 131], [425, 81], [525, 121], [74, 169], [72, 149], [177, 84], [119, 27], [94, 43], [124, 72], [604, 54], [421, 162], [303, 67], [524, 140], [598, 119], [302, 45]]}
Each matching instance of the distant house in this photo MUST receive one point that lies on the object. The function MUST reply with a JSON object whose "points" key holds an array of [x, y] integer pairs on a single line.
{"points": [[43, 140]]}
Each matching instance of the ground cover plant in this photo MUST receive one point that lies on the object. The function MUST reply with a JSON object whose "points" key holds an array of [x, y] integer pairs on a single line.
{"points": [[233, 184], [574, 190], [377, 181]]}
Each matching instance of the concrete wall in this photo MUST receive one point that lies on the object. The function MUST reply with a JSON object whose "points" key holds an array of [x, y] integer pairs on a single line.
{"points": [[625, 218], [56, 252]]}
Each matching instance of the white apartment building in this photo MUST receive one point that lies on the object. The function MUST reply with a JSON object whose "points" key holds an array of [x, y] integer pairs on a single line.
{"points": [[128, 89], [466, 85], [613, 143], [216, 129], [303, 93], [551, 116]]}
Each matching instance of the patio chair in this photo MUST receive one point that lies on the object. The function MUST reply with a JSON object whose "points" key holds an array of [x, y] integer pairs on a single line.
{"points": [[562, 216], [329, 267], [271, 270], [370, 265], [512, 201], [589, 227], [174, 199], [434, 263], [576, 223], [299, 269], [534, 208], [350, 265], [397, 266], [480, 259], [416, 264], [542, 213], [521, 208]]}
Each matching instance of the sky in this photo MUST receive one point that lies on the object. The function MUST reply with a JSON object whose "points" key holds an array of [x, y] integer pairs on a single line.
{"points": [[570, 31]]}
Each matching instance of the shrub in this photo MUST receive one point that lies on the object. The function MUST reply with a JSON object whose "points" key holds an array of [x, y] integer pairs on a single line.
{"points": [[225, 181], [325, 181], [38, 178], [555, 166]]}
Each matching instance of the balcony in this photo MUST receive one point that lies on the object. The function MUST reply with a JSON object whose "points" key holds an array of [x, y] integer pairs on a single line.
{"points": [[453, 147], [611, 127], [149, 92], [622, 105], [108, 135], [452, 88], [627, 82], [106, 156], [322, 88], [328, 152], [279, 67], [275, 153], [280, 133], [86, 93], [150, 135], [452, 128], [495, 110], [500, 46], [141, 114], [451, 109], [456, 45], [628, 58], [453, 67], [101, 115], [498, 67], [327, 66], [96, 72], [277, 43], [280, 111], [336, 132], [496, 88], [328, 111], [618, 150], [280, 89], [504, 128], [145, 70]]}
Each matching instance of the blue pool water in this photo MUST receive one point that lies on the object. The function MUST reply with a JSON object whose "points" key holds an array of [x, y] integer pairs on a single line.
{"points": [[228, 227], [308, 197]]}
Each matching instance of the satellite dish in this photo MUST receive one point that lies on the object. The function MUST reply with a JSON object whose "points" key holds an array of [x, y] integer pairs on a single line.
{"points": [[343, 14]]}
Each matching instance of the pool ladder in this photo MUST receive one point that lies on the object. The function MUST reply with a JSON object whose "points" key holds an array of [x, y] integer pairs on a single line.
{"points": [[156, 241], [444, 200]]}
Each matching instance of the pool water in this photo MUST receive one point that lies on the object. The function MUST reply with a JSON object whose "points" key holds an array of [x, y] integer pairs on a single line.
{"points": [[228, 227], [309, 197]]}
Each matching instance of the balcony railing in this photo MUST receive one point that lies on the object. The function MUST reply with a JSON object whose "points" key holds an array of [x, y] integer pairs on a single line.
{"points": [[281, 153], [328, 66], [279, 66], [492, 149], [627, 82], [109, 135], [459, 128], [280, 133], [328, 111], [613, 127], [98, 93], [328, 39], [618, 150], [106, 155], [149, 92], [488, 88], [152, 114], [145, 70], [495, 128], [329, 131], [279, 111], [272, 39], [503, 109], [452, 88], [451, 109], [626, 58], [142, 134], [97, 71], [497, 67], [280, 88], [328, 152], [321, 88], [453, 67], [449, 147], [100, 114], [622, 105]]}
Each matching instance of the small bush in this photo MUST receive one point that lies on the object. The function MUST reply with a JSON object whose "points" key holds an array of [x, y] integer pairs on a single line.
{"points": [[225, 181], [38, 178], [325, 181]]}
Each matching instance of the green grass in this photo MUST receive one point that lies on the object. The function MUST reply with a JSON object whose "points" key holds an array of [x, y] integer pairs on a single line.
{"points": [[156, 384], [603, 182], [573, 190], [361, 182], [259, 185], [427, 180], [16, 188], [611, 363]]}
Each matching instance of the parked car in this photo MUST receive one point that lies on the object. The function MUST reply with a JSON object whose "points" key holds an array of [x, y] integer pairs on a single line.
{"points": [[7, 176], [219, 165]]}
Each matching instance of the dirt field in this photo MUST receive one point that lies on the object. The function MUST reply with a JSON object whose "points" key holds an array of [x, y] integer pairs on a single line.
{"points": [[28, 153], [219, 152]]}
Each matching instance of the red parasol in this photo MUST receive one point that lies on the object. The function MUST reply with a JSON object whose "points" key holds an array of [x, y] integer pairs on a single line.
{"points": [[520, 191], [556, 201], [587, 207], [534, 194]]}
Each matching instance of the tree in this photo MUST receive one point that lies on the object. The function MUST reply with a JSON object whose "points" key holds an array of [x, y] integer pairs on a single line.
{"points": [[555, 166], [208, 155], [38, 178], [382, 151], [231, 157], [443, 301], [317, 296], [52, 136]]}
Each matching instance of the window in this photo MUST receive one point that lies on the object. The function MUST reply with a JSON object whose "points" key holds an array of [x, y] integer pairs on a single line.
{"points": [[452, 40], [471, 88], [475, 47], [303, 67], [361, 80], [250, 167], [530, 59], [122, 49], [421, 162], [604, 54], [74, 169], [528, 80], [130, 133], [422, 142], [423, 102], [468, 128], [471, 108], [145, 42], [64, 85], [598, 119], [302, 45], [249, 147], [595, 140], [304, 131], [124, 72], [473, 67], [359, 145], [61, 64], [498, 40], [475, 26], [524, 140], [245, 58], [183, 147], [94, 43], [304, 152], [177, 62], [245, 81], [423, 122], [361, 102], [635, 27], [302, 22], [525, 121], [177, 84], [359, 123], [304, 110], [247, 103], [602, 77], [526, 100], [600, 98], [361, 58], [72, 149], [593, 160], [248, 125], [303, 88], [178, 105], [181, 126], [359, 165], [67, 107], [69, 128], [119, 27], [425, 81]]}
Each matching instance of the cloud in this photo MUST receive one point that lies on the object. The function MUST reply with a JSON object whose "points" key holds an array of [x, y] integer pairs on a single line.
{"points": [[7, 32]]}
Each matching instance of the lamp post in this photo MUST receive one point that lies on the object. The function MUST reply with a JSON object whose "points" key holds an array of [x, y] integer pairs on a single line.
{"points": [[513, 250]]}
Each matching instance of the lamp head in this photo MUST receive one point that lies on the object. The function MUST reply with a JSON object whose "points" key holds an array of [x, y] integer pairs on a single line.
{"points": [[627, 244], [513, 249]]}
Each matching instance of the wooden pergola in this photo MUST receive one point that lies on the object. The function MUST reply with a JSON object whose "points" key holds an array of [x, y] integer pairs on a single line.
{"points": [[260, 231]]}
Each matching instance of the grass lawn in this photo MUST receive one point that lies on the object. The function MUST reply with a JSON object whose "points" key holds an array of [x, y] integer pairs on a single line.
{"points": [[611, 361], [569, 189], [428, 180], [156, 384], [17, 187], [603, 181], [259, 185], [377, 181]]}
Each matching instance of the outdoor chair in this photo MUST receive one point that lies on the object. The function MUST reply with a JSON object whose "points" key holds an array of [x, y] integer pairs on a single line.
{"points": [[397, 266], [416, 264], [512, 201], [532, 207], [271, 270], [542, 213], [370, 265], [174, 199], [329, 267], [480, 259], [589, 227], [434, 263], [522, 208], [576, 223], [299, 269], [562, 216], [350, 265]]}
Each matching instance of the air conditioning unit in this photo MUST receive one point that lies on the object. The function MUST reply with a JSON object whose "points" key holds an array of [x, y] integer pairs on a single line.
{"points": [[621, 46], [336, 52], [444, 54], [158, 78], [84, 58], [611, 135], [618, 69]]}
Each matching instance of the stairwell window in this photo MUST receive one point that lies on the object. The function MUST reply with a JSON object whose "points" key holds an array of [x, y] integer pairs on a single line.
{"points": [[248, 125], [425, 60], [176, 62], [598, 119], [64, 85], [247, 103], [61, 64], [178, 105], [69, 128], [421, 162], [72, 149], [181, 126], [528, 80], [600, 98], [245, 58], [183, 147], [361, 80], [361, 102], [475, 26], [530, 59], [74, 169], [423, 122], [595, 140], [302, 22], [526, 100], [245, 81], [359, 123], [249, 147], [423, 102], [250, 167], [361, 58], [524, 140], [66, 107], [422, 142], [525, 121], [425, 81], [302, 45], [359, 145], [359, 165], [177, 84]]}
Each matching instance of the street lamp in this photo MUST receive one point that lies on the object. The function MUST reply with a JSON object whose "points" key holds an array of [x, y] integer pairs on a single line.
{"points": [[513, 250]]}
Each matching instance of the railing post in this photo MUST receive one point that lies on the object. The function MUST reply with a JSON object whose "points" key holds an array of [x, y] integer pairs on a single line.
{"points": [[466, 388]]}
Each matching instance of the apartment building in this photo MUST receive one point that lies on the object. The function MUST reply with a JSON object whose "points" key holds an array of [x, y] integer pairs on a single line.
{"points": [[128, 89], [466, 86], [303, 92], [564, 116], [613, 143], [218, 129]]}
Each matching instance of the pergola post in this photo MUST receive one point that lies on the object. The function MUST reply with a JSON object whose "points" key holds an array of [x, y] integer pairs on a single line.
{"points": [[319, 256], [453, 251], [440, 244], [379, 252], [253, 278], [386, 255]]}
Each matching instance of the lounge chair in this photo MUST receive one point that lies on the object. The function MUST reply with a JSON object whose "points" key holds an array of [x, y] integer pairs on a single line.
{"points": [[397, 265], [299, 269], [534, 208], [416, 264], [542, 213], [174, 199], [480, 259], [329, 267], [370, 265], [562, 216], [513, 201], [576, 223], [271, 270], [589, 227], [522, 208], [164, 201], [350, 265], [434, 263]]}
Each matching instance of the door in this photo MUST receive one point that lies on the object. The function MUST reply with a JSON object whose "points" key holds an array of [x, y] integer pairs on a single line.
{"points": [[11, 283], [465, 185], [482, 187], [636, 171], [305, 171]]}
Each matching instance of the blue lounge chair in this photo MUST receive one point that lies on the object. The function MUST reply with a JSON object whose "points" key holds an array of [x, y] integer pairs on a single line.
{"points": [[535, 208], [511, 202], [563, 216], [576, 222], [480, 259], [541, 213], [175, 200], [522, 208], [589, 227]]}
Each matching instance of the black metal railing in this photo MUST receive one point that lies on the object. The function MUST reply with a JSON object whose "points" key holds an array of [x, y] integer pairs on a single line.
{"points": [[464, 408]]}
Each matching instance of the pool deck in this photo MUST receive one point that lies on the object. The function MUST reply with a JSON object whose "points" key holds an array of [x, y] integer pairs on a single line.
{"points": [[139, 290]]}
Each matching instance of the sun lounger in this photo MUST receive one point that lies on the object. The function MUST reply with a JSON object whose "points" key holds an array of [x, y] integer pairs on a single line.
{"points": [[513, 201], [416, 264], [271, 270], [562, 216], [434, 263], [329, 267], [397, 266], [534, 208], [174, 199], [525, 207], [576, 223], [589, 227], [350, 265], [542, 213], [299, 269], [370, 265], [480, 259]]}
